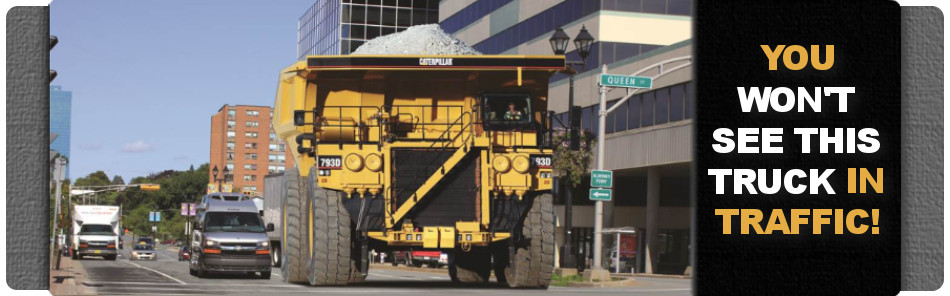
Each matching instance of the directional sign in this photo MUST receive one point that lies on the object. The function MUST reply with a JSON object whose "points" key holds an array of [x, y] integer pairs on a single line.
{"points": [[612, 80], [600, 194], [602, 179]]}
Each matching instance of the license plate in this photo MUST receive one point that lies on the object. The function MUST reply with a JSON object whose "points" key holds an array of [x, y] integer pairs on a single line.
{"points": [[98, 252], [425, 258]]}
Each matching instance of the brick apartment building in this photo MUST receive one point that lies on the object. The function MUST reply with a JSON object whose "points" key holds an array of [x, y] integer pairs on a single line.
{"points": [[243, 141]]}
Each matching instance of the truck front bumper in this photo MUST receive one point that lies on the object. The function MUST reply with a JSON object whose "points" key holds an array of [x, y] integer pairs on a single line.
{"points": [[215, 262], [96, 252]]}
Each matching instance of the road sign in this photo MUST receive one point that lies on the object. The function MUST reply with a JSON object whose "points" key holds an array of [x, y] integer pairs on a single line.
{"points": [[612, 80], [600, 194], [602, 179]]}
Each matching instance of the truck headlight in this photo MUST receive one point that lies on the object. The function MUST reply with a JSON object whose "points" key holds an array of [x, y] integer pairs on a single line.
{"points": [[501, 163], [353, 162], [374, 162], [521, 164]]}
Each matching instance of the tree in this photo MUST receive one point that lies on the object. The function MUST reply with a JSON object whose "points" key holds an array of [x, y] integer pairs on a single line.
{"points": [[117, 180], [98, 178]]}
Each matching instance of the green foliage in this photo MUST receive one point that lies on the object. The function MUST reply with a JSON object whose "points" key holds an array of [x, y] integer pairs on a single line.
{"points": [[176, 187], [117, 180], [574, 164], [98, 178]]}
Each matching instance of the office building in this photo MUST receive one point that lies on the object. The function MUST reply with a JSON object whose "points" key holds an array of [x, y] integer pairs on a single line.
{"points": [[243, 141], [60, 118], [334, 27], [648, 138]]}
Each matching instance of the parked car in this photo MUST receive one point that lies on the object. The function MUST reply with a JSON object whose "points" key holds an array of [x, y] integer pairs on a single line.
{"points": [[143, 251], [418, 258], [184, 254]]}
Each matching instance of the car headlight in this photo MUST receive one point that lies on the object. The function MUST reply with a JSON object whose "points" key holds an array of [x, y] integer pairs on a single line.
{"points": [[210, 243], [135, 253], [353, 162], [264, 244], [521, 164], [501, 163], [374, 162]]}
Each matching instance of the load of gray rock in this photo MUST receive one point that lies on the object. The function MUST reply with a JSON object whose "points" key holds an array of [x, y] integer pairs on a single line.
{"points": [[416, 40]]}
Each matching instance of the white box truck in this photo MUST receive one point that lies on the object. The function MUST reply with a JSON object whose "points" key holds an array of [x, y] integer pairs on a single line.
{"points": [[96, 231]]}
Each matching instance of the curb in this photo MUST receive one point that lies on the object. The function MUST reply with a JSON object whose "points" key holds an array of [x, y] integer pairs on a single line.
{"points": [[616, 282], [665, 276]]}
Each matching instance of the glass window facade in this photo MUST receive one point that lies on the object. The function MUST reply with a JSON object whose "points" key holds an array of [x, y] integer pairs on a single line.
{"points": [[333, 27], [60, 120], [659, 106]]}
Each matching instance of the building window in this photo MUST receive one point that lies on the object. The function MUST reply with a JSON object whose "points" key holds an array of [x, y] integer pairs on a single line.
{"points": [[273, 137], [230, 145], [281, 147], [230, 135], [231, 113], [272, 168], [230, 156], [251, 113], [251, 156], [280, 168], [250, 145], [250, 167], [252, 124], [250, 177], [230, 123], [272, 147], [250, 134], [230, 167]]}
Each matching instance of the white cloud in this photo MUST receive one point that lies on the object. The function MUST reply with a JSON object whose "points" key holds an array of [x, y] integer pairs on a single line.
{"points": [[136, 147]]}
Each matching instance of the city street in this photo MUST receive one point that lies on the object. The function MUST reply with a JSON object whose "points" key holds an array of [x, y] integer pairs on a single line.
{"points": [[167, 275]]}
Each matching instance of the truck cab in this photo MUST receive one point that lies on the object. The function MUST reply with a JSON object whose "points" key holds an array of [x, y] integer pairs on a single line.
{"points": [[95, 231], [230, 236]]}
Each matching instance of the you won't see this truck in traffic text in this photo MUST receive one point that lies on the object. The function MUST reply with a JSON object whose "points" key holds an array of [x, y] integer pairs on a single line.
{"points": [[396, 153]]}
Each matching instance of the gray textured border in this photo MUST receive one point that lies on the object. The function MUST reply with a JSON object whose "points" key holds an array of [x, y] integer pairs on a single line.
{"points": [[922, 148], [27, 146]]}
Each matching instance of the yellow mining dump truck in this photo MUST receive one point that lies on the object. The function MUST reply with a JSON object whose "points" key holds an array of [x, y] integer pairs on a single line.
{"points": [[395, 153]]}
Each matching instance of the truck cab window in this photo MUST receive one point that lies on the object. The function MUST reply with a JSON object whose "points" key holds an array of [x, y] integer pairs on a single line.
{"points": [[506, 110]]}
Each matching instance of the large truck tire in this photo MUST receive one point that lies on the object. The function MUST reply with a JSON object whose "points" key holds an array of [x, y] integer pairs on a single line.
{"points": [[473, 266], [530, 259], [295, 249], [331, 263]]}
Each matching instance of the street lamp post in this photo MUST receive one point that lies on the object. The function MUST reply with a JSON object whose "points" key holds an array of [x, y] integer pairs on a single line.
{"points": [[582, 42], [214, 172]]}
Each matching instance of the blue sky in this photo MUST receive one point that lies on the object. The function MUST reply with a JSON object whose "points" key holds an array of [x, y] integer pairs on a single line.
{"points": [[146, 76]]}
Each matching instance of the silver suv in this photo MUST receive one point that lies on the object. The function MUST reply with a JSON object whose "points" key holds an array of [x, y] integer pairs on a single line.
{"points": [[230, 236]]}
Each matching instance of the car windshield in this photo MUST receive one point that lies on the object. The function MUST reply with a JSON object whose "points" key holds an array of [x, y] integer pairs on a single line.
{"points": [[142, 247], [233, 222], [96, 230]]}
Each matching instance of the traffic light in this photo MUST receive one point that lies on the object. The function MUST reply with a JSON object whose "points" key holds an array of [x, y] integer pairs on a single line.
{"points": [[53, 40], [150, 187], [575, 129]]}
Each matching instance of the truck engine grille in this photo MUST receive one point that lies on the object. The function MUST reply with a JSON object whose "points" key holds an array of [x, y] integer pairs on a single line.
{"points": [[453, 199]]}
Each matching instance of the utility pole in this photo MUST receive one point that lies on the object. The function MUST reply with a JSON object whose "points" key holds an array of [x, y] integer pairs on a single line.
{"points": [[599, 205], [59, 171]]}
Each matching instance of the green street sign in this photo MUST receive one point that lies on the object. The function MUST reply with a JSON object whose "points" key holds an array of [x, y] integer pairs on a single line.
{"points": [[600, 194], [612, 80], [602, 179]]}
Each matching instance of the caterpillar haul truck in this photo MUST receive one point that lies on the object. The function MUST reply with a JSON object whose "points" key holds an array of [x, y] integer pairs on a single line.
{"points": [[449, 153]]}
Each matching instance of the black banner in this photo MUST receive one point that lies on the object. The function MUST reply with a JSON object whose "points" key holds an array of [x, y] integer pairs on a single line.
{"points": [[775, 216]]}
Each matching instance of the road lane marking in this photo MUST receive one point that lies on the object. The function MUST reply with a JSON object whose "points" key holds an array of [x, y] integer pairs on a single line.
{"points": [[396, 276], [158, 272]]}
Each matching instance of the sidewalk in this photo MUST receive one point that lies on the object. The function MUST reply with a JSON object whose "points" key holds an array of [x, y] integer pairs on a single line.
{"points": [[68, 280]]}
